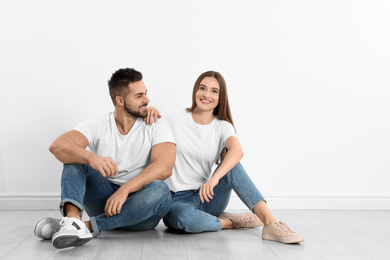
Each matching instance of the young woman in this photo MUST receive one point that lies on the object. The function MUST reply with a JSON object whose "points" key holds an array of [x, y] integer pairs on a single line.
{"points": [[205, 134]]}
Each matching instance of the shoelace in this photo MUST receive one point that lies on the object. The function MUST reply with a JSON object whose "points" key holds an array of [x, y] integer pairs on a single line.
{"points": [[63, 222], [245, 222], [285, 227]]}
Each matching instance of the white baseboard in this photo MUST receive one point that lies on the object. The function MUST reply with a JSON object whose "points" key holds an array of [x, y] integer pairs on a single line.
{"points": [[49, 201], [29, 201], [320, 202]]}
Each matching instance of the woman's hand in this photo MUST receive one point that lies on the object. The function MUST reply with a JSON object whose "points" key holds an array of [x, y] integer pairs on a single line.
{"points": [[152, 116], [206, 190]]}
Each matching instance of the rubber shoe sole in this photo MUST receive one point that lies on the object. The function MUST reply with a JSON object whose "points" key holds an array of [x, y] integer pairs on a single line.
{"points": [[69, 240], [285, 240]]}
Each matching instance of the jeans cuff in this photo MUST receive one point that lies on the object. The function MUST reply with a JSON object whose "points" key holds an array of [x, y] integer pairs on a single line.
{"points": [[220, 223], [73, 202], [94, 225], [257, 202]]}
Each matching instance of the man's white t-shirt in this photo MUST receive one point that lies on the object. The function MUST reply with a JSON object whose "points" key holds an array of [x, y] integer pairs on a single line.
{"points": [[197, 149], [131, 152]]}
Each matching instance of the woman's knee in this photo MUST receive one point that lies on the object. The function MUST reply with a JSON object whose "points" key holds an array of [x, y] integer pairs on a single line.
{"points": [[177, 216], [184, 217], [237, 168]]}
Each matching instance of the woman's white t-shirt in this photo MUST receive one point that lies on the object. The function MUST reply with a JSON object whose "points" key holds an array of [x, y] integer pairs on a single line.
{"points": [[197, 148]]}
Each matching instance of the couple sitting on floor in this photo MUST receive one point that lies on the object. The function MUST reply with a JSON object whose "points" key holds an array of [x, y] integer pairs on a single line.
{"points": [[136, 173]]}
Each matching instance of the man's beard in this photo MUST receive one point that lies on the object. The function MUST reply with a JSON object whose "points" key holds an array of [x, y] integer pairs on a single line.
{"points": [[133, 112]]}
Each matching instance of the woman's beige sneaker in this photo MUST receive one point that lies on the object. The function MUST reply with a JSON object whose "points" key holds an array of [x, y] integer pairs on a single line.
{"points": [[280, 232], [242, 220]]}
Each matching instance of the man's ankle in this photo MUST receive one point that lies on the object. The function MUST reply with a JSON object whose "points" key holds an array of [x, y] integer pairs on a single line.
{"points": [[71, 211], [89, 225], [73, 216]]}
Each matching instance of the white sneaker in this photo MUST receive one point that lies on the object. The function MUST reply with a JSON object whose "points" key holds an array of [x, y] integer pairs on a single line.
{"points": [[46, 228], [73, 232]]}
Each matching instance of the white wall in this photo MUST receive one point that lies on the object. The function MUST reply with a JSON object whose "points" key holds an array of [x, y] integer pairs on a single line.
{"points": [[308, 83]]}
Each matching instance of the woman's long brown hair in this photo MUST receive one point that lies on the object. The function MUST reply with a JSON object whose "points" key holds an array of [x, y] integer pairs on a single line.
{"points": [[223, 109]]}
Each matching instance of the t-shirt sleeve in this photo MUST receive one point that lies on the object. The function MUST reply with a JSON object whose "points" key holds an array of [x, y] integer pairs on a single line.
{"points": [[227, 130], [91, 130], [162, 132]]}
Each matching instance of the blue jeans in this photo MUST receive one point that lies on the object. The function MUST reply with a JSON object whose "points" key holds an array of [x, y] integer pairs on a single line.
{"points": [[188, 214], [87, 189]]}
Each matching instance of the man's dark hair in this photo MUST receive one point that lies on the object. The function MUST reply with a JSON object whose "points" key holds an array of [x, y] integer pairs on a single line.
{"points": [[120, 80]]}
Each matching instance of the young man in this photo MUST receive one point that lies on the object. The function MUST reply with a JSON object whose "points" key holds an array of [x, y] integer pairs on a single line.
{"points": [[119, 180]]}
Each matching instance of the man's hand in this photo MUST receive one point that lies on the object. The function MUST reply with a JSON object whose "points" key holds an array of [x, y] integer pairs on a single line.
{"points": [[115, 202], [206, 190], [105, 165], [153, 115]]}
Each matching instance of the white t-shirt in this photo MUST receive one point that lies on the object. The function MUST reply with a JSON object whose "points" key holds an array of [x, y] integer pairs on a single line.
{"points": [[197, 149], [132, 151]]}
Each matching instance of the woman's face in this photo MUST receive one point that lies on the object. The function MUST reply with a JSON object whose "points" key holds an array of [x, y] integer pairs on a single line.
{"points": [[207, 95]]}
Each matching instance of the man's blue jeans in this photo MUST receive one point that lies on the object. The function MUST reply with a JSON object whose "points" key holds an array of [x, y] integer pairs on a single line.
{"points": [[87, 189], [188, 214]]}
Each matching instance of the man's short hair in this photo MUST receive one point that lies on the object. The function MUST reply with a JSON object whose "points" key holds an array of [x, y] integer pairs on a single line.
{"points": [[120, 80]]}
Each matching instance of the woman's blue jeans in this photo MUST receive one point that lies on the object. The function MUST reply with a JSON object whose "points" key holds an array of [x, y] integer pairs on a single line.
{"points": [[188, 214], [87, 189]]}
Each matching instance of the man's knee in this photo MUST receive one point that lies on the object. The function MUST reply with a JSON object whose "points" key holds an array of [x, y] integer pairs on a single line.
{"points": [[74, 168], [159, 185], [159, 189], [159, 194]]}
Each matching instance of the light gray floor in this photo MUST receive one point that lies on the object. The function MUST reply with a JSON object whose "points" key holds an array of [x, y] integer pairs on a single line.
{"points": [[329, 235]]}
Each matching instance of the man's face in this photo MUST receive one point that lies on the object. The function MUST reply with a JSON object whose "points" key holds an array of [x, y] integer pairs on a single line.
{"points": [[135, 102]]}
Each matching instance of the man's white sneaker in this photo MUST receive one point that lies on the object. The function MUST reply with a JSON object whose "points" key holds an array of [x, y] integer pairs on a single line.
{"points": [[46, 228], [73, 232]]}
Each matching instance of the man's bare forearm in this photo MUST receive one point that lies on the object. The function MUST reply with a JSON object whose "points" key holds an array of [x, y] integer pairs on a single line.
{"points": [[66, 150], [155, 171], [163, 159]]}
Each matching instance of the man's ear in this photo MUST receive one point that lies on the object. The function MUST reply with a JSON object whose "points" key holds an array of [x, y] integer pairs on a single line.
{"points": [[119, 101]]}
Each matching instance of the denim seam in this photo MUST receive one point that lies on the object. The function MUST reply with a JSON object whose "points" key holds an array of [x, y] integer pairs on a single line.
{"points": [[104, 183], [240, 194], [243, 198]]}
